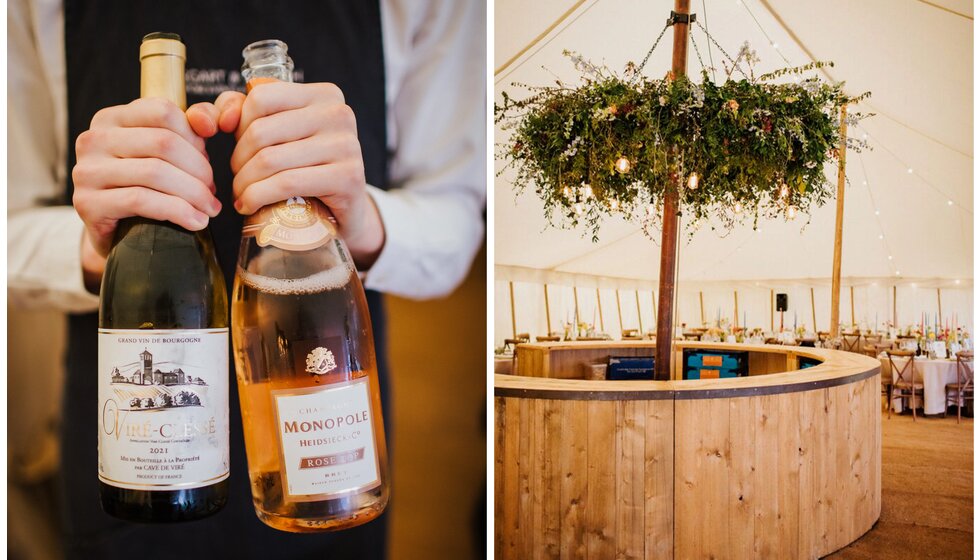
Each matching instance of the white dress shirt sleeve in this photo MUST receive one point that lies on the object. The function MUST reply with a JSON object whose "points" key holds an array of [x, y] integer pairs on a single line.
{"points": [[435, 55], [43, 235]]}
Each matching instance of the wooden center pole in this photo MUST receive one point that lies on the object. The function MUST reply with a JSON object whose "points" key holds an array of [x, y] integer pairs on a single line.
{"points": [[839, 230], [852, 307], [668, 244], [735, 322], [939, 300], [547, 309]]}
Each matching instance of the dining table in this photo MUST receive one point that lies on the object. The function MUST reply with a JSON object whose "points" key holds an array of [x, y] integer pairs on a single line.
{"points": [[934, 374]]}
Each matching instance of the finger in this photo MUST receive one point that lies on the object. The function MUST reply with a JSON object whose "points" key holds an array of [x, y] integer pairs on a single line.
{"points": [[203, 118], [312, 151], [152, 173], [151, 113], [277, 97], [333, 182], [157, 143], [116, 204], [229, 105], [275, 129]]}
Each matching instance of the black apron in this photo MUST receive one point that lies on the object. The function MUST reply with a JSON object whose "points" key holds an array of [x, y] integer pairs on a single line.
{"points": [[331, 41]]}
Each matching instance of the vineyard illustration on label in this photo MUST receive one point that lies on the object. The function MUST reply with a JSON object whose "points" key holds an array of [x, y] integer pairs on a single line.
{"points": [[146, 388]]}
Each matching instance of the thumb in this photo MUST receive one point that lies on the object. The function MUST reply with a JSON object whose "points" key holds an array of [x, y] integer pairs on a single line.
{"points": [[229, 106], [203, 118]]}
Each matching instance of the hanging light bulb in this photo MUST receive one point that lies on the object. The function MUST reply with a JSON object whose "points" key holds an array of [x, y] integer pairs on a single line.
{"points": [[614, 204], [738, 208], [910, 170], [579, 208], [623, 165], [567, 192], [586, 191], [692, 181], [650, 209], [783, 191], [791, 213]]}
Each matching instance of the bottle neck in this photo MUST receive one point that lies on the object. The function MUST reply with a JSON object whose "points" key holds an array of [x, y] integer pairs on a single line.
{"points": [[162, 71]]}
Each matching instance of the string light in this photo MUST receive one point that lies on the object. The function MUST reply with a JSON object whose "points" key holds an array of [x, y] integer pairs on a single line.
{"points": [[791, 212], [567, 192], [650, 210], [692, 181], [881, 236], [578, 208], [587, 191], [910, 170], [623, 165], [738, 208], [614, 204], [949, 202], [783, 191], [877, 212]]}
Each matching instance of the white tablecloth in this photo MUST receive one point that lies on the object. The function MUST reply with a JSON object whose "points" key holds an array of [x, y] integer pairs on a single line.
{"points": [[933, 374]]}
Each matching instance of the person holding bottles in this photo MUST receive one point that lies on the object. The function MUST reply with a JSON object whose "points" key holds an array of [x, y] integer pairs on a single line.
{"points": [[387, 130]]}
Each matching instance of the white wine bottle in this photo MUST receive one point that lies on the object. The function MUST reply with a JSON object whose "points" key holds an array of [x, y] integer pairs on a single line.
{"points": [[163, 353], [304, 354]]}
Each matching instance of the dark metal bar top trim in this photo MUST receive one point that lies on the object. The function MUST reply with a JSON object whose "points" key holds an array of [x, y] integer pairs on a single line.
{"points": [[728, 392]]}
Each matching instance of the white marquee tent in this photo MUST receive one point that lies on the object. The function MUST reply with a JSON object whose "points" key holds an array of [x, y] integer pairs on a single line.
{"points": [[908, 227]]}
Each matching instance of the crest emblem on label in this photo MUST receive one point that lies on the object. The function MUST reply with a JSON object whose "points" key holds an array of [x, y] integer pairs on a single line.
{"points": [[320, 361]]}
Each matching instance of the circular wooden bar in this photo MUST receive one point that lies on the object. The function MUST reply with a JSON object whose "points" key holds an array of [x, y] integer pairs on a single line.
{"points": [[783, 463]]}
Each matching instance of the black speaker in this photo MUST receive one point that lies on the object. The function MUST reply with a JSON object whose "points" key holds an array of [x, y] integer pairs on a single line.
{"points": [[782, 303]]}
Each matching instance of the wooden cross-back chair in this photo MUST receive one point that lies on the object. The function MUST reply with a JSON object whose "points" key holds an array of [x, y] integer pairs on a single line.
{"points": [[903, 385], [962, 390], [851, 341]]}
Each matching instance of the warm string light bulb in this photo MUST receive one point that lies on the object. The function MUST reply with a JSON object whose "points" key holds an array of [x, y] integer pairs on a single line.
{"points": [[692, 181], [623, 165], [783, 191], [738, 207], [579, 208], [650, 209], [586, 191], [791, 213], [614, 204], [567, 192]]}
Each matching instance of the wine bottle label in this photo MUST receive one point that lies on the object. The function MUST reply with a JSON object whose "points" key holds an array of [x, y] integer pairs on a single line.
{"points": [[295, 224], [326, 437], [163, 408]]}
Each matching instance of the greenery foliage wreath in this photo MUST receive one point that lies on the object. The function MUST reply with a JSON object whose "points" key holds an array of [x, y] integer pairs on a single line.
{"points": [[738, 150]]}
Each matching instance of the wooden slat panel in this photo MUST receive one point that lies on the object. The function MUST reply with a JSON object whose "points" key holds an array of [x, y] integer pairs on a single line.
{"points": [[600, 517], [573, 460], [499, 474], [766, 492], [525, 467], [789, 462], [630, 444], [743, 481], [702, 463], [507, 548], [553, 441], [658, 480]]}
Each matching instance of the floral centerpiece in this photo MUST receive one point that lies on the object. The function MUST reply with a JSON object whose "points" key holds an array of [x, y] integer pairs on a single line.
{"points": [[741, 149]]}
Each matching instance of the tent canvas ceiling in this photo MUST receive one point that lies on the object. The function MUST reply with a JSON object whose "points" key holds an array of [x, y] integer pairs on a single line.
{"points": [[915, 57]]}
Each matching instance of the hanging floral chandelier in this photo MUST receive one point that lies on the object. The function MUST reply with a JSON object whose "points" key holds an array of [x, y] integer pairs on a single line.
{"points": [[739, 150]]}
